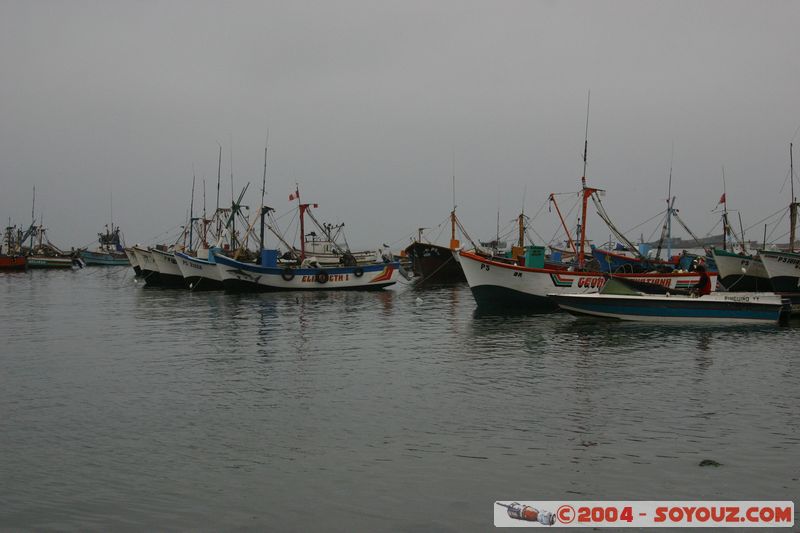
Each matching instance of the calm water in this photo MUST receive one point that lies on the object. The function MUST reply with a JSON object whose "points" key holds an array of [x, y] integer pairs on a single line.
{"points": [[130, 409]]}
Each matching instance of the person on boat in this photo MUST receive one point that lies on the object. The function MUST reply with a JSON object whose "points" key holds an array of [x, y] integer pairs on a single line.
{"points": [[703, 285]]}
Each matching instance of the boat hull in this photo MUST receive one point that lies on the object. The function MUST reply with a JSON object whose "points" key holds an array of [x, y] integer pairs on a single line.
{"points": [[134, 262], [434, 264], [720, 308], [169, 274], [249, 277], [199, 275], [12, 262], [148, 268], [513, 288], [741, 273], [783, 269], [105, 259], [49, 262]]}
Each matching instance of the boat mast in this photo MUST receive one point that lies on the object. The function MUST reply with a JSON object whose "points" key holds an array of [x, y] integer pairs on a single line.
{"points": [[724, 213], [586, 191], [263, 190], [793, 204], [563, 224], [453, 242], [670, 205], [219, 175], [33, 217], [191, 213]]}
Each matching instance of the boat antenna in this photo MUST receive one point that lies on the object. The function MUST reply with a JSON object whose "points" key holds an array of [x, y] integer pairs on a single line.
{"points": [[586, 137]]}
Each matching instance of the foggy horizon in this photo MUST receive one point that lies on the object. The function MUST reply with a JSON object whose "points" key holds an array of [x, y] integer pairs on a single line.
{"points": [[372, 108]]}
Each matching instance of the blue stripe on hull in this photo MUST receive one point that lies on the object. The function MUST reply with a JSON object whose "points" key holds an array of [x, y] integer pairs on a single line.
{"points": [[236, 285]]}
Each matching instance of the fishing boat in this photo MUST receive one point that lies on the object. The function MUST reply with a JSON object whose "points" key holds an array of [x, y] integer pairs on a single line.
{"points": [[620, 301], [783, 269], [110, 251], [512, 287], [9, 258], [305, 273], [741, 271], [137, 270], [44, 254], [783, 266], [433, 263], [269, 276], [169, 273], [148, 270]]}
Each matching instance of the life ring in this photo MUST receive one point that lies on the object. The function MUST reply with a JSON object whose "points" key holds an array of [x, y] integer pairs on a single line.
{"points": [[322, 277], [358, 272], [287, 274]]}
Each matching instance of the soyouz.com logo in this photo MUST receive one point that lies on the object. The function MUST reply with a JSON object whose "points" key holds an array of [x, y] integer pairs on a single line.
{"points": [[620, 514]]}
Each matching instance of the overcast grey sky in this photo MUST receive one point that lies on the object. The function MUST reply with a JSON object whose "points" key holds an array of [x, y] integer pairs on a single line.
{"points": [[367, 102]]}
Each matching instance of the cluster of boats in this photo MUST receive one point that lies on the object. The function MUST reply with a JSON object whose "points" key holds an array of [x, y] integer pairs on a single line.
{"points": [[321, 262], [22, 249], [626, 282]]}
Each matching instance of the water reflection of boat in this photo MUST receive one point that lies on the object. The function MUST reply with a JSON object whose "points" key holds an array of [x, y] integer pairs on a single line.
{"points": [[619, 300]]}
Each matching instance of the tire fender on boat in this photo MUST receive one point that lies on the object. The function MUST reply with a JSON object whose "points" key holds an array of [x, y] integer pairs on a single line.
{"points": [[287, 274], [322, 277], [358, 272]]}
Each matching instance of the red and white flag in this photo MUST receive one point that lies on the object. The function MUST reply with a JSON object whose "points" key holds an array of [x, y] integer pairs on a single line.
{"points": [[295, 195], [721, 199]]}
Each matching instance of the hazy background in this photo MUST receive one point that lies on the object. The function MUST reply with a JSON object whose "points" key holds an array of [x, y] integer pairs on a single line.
{"points": [[368, 103]]}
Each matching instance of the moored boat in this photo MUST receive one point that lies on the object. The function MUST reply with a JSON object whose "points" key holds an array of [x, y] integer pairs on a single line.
{"points": [[12, 262], [199, 274], [783, 269], [110, 252], [510, 287], [741, 272], [148, 270], [621, 302], [133, 261], [169, 274], [269, 276]]}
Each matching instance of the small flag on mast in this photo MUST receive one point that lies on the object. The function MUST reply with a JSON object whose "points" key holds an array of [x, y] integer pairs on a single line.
{"points": [[721, 199], [295, 195]]}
